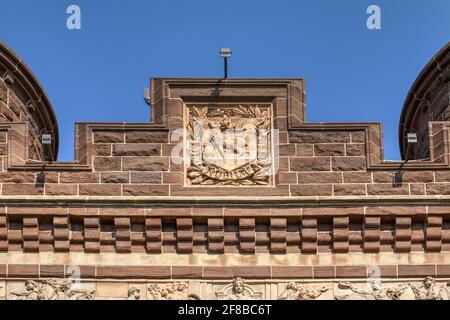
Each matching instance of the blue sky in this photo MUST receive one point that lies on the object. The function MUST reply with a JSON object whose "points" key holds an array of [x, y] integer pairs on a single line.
{"points": [[352, 74]]}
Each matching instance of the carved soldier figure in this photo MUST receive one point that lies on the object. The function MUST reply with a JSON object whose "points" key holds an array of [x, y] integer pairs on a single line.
{"points": [[54, 290], [63, 290], [31, 292], [51, 290], [214, 151], [294, 291], [429, 290], [375, 292], [79, 294]]}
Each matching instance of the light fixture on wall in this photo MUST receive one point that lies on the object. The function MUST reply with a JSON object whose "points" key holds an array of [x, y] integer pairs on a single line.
{"points": [[147, 95], [47, 141], [46, 138], [411, 140]]}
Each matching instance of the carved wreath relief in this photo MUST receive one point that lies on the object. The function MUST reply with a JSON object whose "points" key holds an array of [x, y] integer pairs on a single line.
{"points": [[229, 145]]}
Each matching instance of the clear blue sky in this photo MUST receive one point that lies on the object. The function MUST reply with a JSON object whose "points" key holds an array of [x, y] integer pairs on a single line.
{"points": [[352, 73]]}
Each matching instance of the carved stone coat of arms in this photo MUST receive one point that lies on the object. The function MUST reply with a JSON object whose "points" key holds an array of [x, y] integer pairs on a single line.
{"points": [[228, 145]]}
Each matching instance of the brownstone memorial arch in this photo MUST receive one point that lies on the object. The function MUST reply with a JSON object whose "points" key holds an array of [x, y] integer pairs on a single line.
{"points": [[228, 193]]}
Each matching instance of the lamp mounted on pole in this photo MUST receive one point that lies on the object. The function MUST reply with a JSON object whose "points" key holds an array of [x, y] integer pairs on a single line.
{"points": [[225, 53]]}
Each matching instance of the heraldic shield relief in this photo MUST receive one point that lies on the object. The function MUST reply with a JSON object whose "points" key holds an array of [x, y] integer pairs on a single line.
{"points": [[229, 145]]}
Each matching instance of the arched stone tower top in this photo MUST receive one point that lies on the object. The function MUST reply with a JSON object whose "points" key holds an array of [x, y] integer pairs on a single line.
{"points": [[22, 99], [427, 100]]}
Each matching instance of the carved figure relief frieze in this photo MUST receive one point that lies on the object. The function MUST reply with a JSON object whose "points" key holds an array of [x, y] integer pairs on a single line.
{"points": [[238, 290], [429, 290], [229, 145], [168, 291], [295, 291], [373, 291], [51, 290]]}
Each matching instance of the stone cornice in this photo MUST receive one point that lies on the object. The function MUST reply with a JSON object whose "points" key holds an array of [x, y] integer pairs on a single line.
{"points": [[230, 201]]}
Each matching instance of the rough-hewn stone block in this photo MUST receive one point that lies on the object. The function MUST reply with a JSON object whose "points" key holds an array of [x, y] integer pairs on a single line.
{"points": [[61, 189], [319, 137], [349, 189], [355, 150], [79, 177], [146, 177], [22, 189], [320, 177], [145, 164], [438, 188], [145, 190], [348, 163], [115, 177], [146, 137], [107, 164], [108, 137], [137, 149], [100, 190], [387, 189], [310, 164], [312, 190], [329, 149]]}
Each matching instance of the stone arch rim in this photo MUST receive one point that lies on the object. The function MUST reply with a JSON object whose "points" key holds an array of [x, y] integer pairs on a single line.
{"points": [[432, 70], [34, 89]]}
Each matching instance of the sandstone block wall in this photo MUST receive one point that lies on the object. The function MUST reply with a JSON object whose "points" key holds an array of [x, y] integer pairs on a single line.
{"points": [[125, 215]]}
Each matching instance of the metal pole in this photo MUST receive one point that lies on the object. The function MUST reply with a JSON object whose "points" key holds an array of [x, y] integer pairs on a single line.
{"points": [[225, 67]]}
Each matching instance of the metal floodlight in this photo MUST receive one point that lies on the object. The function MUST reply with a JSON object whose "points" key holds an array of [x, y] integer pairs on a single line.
{"points": [[411, 138], [46, 138], [225, 52], [147, 95]]}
